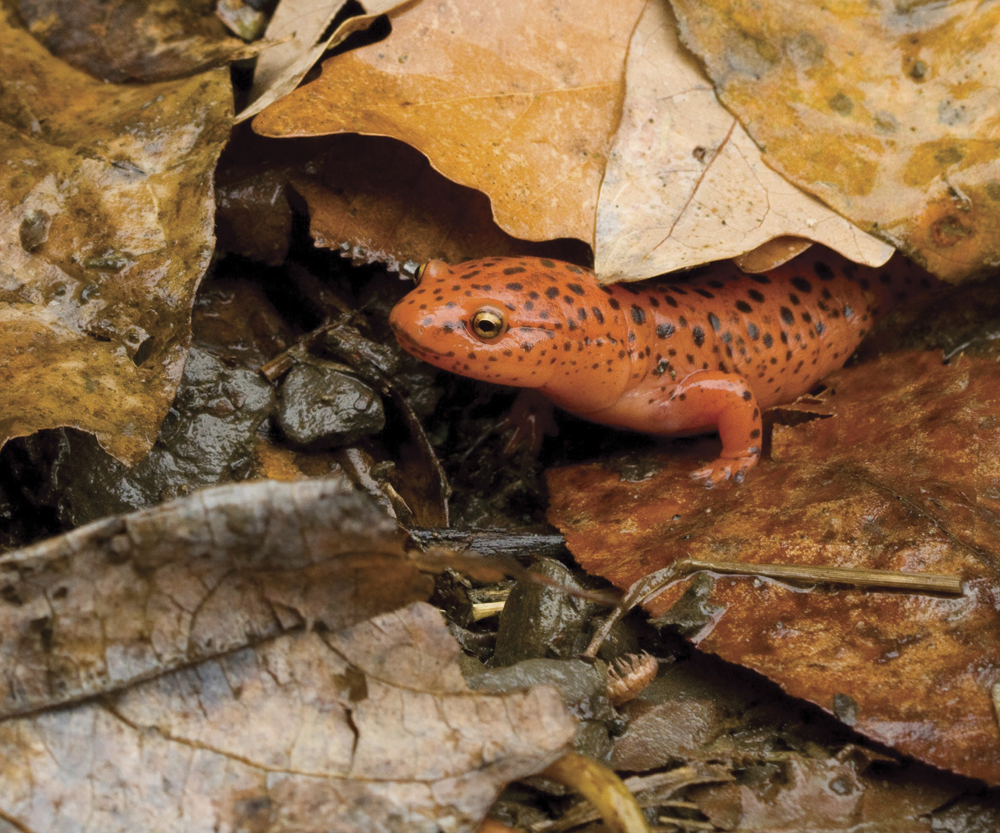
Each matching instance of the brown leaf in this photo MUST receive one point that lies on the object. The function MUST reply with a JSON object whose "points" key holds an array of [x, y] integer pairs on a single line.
{"points": [[906, 476], [297, 30], [152, 40], [126, 598], [685, 185], [380, 201], [904, 141], [368, 729], [519, 102], [107, 210]]}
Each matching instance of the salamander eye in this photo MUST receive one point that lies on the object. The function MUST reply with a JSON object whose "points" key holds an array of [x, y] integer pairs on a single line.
{"points": [[419, 276], [488, 324]]}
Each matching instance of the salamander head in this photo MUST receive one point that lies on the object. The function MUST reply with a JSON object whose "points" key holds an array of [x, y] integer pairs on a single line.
{"points": [[529, 322]]}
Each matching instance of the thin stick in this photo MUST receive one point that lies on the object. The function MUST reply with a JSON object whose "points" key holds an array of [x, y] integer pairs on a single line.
{"points": [[856, 577]]}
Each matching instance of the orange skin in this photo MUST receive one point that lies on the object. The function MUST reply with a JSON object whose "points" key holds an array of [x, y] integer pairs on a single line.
{"points": [[664, 358]]}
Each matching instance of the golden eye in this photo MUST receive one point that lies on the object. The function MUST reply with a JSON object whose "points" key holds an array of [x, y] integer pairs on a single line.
{"points": [[420, 273], [488, 324]]}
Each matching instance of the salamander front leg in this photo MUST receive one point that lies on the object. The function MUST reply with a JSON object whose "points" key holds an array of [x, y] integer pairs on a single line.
{"points": [[710, 397]]}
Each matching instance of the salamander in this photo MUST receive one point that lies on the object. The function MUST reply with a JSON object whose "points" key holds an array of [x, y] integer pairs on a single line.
{"points": [[673, 358]]}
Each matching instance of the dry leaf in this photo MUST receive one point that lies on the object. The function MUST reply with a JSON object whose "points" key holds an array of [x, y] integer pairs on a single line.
{"points": [[130, 597], [107, 211], [151, 40], [906, 476], [519, 102], [369, 729], [887, 112], [685, 185], [380, 201], [296, 32]]}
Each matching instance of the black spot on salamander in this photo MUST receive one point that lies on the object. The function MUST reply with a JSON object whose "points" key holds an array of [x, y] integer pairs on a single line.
{"points": [[638, 314], [533, 295], [715, 284], [743, 306], [768, 340], [654, 301], [863, 283], [664, 330], [793, 298], [548, 264], [756, 296], [761, 279], [581, 313], [682, 321], [575, 288], [670, 300], [727, 338], [552, 293], [752, 331], [576, 270], [569, 300], [631, 338], [806, 317], [511, 307], [514, 270], [613, 303], [515, 287], [713, 319], [698, 334], [820, 328], [529, 306], [680, 290], [704, 292], [629, 288], [544, 315], [848, 312], [823, 271], [801, 284], [597, 315], [755, 433], [621, 354], [786, 316], [682, 397]]}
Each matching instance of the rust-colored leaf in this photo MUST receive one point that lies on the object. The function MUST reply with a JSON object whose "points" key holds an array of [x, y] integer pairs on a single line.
{"points": [[888, 112], [139, 40], [685, 184], [519, 102], [905, 476], [371, 728], [106, 214]]}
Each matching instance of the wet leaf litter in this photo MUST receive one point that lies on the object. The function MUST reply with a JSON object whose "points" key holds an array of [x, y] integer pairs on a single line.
{"points": [[232, 606]]}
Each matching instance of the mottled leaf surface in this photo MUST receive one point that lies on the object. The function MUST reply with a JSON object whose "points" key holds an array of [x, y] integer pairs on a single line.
{"points": [[106, 227], [886, 111]]}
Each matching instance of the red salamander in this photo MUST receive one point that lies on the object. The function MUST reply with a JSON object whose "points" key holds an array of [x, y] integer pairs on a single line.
{"points": [[664, 358]]}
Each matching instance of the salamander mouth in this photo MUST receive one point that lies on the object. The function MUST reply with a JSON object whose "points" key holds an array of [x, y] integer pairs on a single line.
{"points": [[411, 345]]}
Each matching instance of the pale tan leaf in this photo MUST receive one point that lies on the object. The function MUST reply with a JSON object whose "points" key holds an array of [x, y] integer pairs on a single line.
{"points": [[126, 598], [685, 184], [368, 730]]}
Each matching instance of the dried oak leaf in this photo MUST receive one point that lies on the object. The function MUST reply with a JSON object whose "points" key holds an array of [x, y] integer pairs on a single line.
{"points": [[887, 112], [685, 184], [126, 598], [519, 101], [298, 32], [378, 200], [905, 476], [368, 729], [106, 215], [152, 40]]}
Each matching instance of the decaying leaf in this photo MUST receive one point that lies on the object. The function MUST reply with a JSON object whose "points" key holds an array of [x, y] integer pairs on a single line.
{"points": [[368, 729], [888, 112], [685, 185], [151, 40], [518, 101], [127, 598], [106, 213], [296, 31], [905, 476]]}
